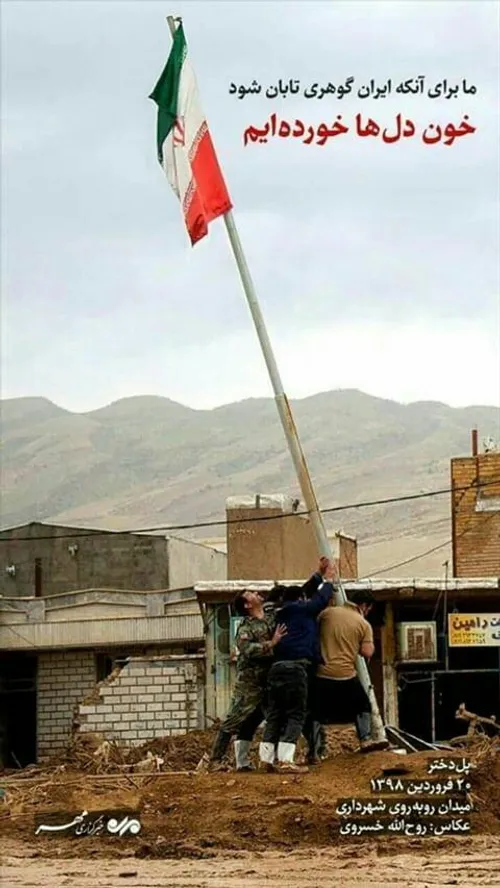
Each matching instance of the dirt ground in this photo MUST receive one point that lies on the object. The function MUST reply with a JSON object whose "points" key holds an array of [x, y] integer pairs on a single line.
{"points": [[467, 864], [214, 830]]}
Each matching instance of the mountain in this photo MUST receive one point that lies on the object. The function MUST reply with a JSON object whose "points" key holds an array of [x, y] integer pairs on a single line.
{"points": [[146, 461]]}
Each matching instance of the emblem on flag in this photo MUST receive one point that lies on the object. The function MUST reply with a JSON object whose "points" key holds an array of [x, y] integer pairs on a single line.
{"points": [[184, 145], [179, 134]]}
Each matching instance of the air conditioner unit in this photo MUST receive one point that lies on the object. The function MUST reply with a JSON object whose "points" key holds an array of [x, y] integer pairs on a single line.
{"points": [[417, 642]]}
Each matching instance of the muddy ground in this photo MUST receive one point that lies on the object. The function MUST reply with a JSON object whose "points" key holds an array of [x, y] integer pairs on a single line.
{"points": [[228, 829], [466, 864]]}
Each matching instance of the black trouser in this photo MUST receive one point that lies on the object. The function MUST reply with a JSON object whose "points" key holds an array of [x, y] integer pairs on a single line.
{"points": [[342, 701], [287, 686], [313, 730]]}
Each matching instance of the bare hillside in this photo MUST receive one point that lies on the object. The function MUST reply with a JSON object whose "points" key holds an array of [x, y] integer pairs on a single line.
{"points": [[145, 461]]}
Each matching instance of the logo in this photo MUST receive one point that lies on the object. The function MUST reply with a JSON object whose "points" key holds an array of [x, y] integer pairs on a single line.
{"points": [[112, 823]]}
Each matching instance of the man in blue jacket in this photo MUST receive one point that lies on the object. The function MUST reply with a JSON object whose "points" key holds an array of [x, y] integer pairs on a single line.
{"points": [[296, 654]]}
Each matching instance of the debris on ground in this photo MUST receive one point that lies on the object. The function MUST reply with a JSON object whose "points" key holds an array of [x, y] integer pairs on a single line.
{"points": [[184, 813], [94, 754], [478, 725]]}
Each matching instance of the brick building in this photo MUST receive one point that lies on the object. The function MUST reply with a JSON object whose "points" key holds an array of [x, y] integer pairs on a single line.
{"points": [[475, 482], [420, 671], [138, 658], [267, 536], [74, 604], [59, 651]]}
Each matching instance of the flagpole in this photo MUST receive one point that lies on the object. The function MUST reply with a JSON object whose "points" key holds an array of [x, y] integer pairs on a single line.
{"points": [[292, 437], [295, 447]]}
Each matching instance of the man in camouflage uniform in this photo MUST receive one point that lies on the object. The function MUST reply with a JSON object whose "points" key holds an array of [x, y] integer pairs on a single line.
{"points": [[255, 641]]}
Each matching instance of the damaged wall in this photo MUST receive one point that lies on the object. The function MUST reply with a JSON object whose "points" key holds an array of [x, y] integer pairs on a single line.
{"points": [[64, 679], [149, 697]]}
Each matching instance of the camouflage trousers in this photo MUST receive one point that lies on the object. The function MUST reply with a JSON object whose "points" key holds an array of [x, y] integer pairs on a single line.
{"points": [[247, 712], [242, 720], [245, 702]]}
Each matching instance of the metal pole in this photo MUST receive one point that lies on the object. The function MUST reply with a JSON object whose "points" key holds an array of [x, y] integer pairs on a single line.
{"points": [[433, 709], [296, 452], [292, 437], [445, 618]]}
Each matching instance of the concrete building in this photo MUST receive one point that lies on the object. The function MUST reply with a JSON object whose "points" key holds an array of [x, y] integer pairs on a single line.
{"points": [[104, 641], [75, 603], [55, 652], [419, 672], [39, 559], [267, 536]]}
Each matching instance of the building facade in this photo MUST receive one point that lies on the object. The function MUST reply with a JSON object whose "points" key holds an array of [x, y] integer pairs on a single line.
{"points": [[268, 536], [134, 658], [42, 559], [75, 604], [419, 673], [475, 482]]}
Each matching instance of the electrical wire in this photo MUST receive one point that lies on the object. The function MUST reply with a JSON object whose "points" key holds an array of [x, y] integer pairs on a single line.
{"points": [[389, 568], [79, 533], [386, 569]]}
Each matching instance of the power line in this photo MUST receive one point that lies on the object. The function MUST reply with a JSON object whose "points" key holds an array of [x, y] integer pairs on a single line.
{"points": [[427, 552], [375, 573], [385, 569], [218, 523]]}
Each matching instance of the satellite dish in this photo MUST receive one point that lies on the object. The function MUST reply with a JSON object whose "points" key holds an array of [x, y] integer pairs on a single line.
{"points": [[490, 445]]}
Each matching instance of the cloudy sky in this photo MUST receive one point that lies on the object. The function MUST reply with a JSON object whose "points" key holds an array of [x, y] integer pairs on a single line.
{"points": [[377, 266]]}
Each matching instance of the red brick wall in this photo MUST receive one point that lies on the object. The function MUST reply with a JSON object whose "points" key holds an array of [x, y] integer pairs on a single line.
{"points": [[476, 534]]}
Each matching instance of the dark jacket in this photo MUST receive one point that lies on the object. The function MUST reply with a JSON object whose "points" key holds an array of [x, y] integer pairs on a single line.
{"points": [[301, 620]]}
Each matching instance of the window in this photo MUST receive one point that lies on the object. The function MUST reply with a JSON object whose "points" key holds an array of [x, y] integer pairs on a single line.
{"points": [[38, 577]]}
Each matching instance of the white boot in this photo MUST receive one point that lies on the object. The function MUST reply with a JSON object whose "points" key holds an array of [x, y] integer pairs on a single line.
{"points": [[286, 755], [267, 754], [241, 750]]}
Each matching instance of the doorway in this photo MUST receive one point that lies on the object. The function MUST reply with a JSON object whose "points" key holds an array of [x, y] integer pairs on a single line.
{"points": [[415, 703], [17, 710]]}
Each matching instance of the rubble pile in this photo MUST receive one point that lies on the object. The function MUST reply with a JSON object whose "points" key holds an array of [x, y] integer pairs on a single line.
{"points": [[96, 755], [184, 813]]}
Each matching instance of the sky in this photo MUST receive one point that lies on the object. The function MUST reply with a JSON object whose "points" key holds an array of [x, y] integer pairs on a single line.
{"points": [[377, 266]]}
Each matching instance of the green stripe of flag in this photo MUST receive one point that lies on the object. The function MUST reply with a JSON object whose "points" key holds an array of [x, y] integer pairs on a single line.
{"points": [[166, 91]]}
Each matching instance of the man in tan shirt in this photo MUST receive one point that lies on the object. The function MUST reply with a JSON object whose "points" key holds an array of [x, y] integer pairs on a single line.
{"points": [[339, 696]]}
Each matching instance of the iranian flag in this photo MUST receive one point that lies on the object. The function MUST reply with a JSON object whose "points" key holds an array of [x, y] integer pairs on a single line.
{"points": [[185, 148]]}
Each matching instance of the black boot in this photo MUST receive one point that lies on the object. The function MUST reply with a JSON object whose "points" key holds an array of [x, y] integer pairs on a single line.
{"points": [[316, 743], [220, 747]]}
